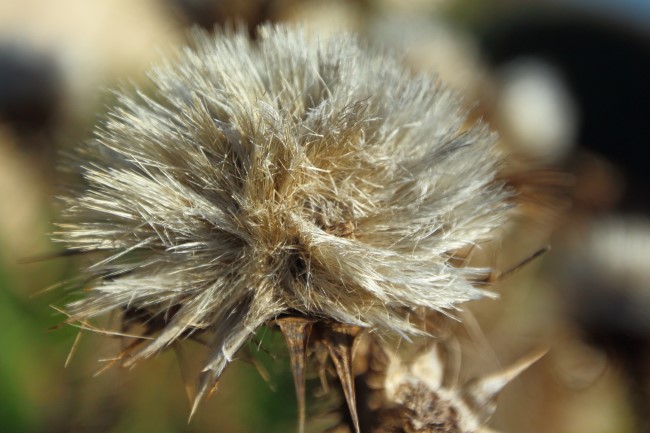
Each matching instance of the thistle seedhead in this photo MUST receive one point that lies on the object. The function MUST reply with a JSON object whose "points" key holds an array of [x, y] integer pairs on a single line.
{"points": [[285, 177], [414, 394]]}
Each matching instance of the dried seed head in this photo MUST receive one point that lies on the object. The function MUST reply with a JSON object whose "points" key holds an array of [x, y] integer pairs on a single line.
{"points": [[288, 176], [415, 397]]}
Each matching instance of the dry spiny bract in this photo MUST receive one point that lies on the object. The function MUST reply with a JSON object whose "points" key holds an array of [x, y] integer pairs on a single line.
{"points": [[288, 177], [416, 396]]}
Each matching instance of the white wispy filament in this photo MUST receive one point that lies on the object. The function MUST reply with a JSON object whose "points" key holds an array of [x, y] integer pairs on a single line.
{"points": [[282, 176]]}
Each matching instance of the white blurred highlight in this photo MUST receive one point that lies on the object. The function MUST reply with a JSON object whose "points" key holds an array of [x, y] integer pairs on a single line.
{"points": [[536, 109]]}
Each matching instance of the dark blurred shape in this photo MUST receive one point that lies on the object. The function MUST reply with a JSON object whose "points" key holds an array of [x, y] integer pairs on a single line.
{"points": [[208, 13], [606, 65], [617, 322], [608, 298], [31, 89]]}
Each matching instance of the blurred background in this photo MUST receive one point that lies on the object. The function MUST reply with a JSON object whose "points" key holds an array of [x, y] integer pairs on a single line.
{"points": [[564, 82]]}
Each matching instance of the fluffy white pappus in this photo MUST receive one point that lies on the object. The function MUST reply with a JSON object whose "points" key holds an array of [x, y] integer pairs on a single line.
{"points": [[282, 176]]}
